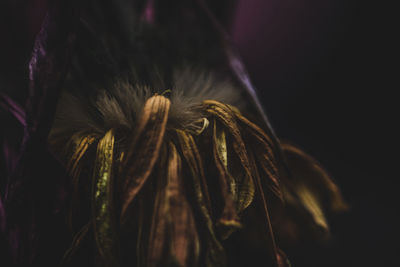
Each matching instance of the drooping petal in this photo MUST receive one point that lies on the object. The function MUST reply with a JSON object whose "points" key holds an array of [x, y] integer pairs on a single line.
{"points": [[229, 218], [262, 145], [74, 167], [103, 212], [227, 117], [145, 148], [76, 244], [158, 238], [82, 145], [311, 192], [215, 255], [185, 246], [265, 206]]}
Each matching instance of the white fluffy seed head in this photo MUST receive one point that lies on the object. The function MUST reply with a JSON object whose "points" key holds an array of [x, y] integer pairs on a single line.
{"points": [[120, 106]]}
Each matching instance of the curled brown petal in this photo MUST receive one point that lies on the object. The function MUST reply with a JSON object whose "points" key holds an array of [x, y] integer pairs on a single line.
{"points": [[145, 148], [226, 116], [215, 255], [185, 244]]}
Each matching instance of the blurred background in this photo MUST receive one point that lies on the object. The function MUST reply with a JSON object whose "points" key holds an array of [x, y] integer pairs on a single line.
{"points": [[321, 68]]}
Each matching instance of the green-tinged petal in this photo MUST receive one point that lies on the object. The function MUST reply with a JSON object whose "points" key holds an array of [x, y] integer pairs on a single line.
{"points": [[103, 199], [229, 219]]}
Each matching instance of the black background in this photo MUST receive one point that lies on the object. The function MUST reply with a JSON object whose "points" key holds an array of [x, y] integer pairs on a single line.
{"points": [[324, 70], [324, 73]]}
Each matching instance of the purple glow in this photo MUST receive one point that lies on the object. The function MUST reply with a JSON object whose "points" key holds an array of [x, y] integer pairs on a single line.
{"points": [[148, 14]]}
